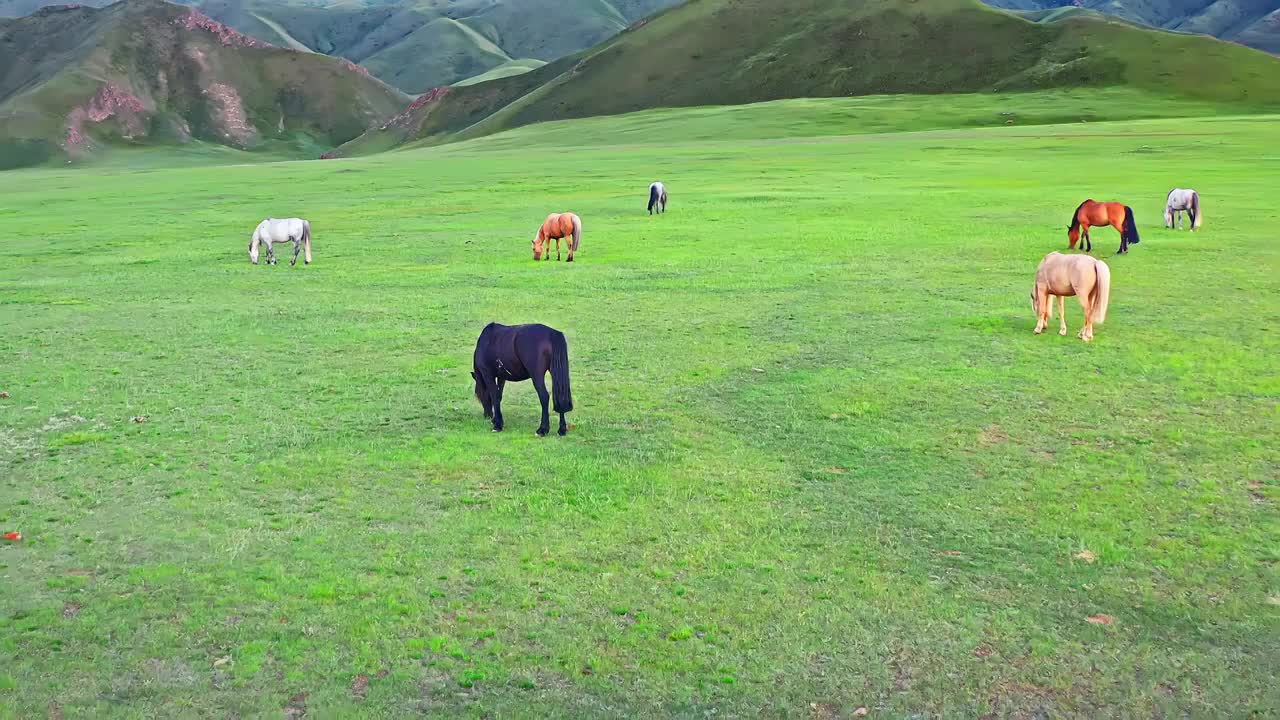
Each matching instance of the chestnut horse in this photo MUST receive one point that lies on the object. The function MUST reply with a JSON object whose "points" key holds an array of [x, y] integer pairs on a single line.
{"points": [[1096, 214], [1087, 278], [557, 226]]}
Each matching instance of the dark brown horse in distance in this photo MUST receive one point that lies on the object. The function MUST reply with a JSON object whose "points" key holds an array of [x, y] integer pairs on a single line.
{"points": [[555, 227], [1096, 214], [522, 352]]}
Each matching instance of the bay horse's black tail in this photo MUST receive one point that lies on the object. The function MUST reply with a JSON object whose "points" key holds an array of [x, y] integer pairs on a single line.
{"points": [[1130, 227], [653, 197], [561, 394]]}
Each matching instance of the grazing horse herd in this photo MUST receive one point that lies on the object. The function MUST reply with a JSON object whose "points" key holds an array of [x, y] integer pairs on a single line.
{"points": [[528, 352]]}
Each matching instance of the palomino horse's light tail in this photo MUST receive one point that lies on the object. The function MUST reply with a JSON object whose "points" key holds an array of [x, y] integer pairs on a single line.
{"points": [[577, 237], [561, 394], [306, 241], [1101, 294], [1195, 210], [1130, 227]]}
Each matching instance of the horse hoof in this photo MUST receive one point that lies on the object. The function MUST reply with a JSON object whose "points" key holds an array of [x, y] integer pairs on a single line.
{"points": [[542, 432], [1063, 333], [562, 432]]}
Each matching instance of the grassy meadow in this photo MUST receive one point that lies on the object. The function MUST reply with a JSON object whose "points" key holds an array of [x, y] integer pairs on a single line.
{"points": [[819, 461]]}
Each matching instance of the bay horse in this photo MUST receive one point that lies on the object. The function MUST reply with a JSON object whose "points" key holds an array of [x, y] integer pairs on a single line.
{"points": [[1087, 278], [1181, 200], [657, 198], [1096, 214], [522, 352], [290, 230], [557, 226]]}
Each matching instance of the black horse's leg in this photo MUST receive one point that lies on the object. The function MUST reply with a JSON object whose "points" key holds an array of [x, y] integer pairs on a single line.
{"points": [[498, 385], [540, 384], [564, 427]]}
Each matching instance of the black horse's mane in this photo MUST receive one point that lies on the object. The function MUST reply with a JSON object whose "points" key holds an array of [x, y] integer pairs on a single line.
{"points": [[1075, 215]]}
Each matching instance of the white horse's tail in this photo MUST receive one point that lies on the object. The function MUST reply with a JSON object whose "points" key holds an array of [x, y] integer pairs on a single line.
{"points": [[1195, 205], [1101, 291], [577, 232], [306, 240]]}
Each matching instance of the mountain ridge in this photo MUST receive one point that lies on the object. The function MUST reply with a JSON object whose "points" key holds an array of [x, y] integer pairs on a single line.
{"points": [[420, 44], [730, 52], [75, 81]]}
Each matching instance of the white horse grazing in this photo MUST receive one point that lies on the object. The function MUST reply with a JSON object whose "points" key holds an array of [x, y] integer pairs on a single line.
{"points": [[657, 197], [290, 230], [1179, 200]]}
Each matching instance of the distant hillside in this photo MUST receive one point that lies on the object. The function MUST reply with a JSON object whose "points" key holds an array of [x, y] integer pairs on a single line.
{"points": [[1255, 23], [76, 80], [417, 45], [726, 52]]}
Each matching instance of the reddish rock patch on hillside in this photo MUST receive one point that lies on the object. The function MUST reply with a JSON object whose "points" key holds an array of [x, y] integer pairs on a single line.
{"points": [[196, 20], [230, 116], [354, 67], [406, 116], [110, 101]]}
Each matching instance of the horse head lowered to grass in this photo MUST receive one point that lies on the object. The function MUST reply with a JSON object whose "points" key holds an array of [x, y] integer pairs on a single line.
{"points": [[274, 230], [1087, 278], [522, 352], [1092, 213], [557, 226]]}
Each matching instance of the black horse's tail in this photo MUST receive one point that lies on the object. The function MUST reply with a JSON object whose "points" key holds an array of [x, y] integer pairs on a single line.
{"points": [[561, 394], [653, 197], [1130, 227]]}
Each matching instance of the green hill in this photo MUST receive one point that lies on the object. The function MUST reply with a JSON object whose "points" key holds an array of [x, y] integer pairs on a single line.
{"points": [[1255, 23], [417, 45], [728, 52], [507, 69], [75, 81]]}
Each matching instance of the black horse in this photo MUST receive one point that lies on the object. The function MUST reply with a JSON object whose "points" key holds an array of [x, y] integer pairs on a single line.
{"points": [[517, 353]]}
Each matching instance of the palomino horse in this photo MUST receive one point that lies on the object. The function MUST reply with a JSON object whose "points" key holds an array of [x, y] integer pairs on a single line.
{"points": [[522, 352], [657, 198], [1181, 200], [557, 226], [290, 230], [1091, 213], [1087, 278]]}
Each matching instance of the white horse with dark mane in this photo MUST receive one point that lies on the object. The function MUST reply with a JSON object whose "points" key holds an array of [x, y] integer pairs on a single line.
{"points": [[274, 230], [1182, 200], [657, 198]]}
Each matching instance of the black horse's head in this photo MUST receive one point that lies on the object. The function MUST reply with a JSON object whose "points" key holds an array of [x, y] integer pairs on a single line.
{"points": [[482, 396]]}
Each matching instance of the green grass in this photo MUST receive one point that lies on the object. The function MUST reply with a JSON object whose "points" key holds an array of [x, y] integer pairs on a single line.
{"points": [[820, 461]]}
